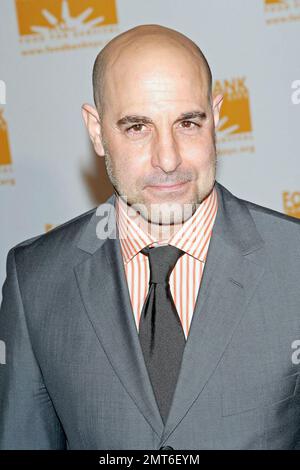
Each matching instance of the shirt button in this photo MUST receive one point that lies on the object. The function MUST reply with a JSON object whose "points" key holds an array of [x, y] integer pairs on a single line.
{"points": [[166, 448]]}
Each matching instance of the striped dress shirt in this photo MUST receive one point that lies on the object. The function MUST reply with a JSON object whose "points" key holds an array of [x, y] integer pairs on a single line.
{"points": [[193, 238]]}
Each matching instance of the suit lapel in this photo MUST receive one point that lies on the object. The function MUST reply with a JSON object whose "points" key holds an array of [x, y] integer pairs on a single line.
{"points": [[228, 282], [103, 286]]}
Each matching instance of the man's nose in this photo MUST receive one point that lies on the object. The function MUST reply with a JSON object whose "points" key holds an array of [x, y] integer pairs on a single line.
{"points": [[165, 152]]}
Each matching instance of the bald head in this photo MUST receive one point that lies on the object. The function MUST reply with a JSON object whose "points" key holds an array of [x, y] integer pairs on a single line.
{"points": [[126, 47]]}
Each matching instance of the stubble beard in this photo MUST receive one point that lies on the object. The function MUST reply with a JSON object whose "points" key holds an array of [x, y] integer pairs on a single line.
{"points": [[167, 213]]}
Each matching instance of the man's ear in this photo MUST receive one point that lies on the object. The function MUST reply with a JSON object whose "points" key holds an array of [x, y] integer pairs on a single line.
{"points": [[217, 103], [92, 122]]}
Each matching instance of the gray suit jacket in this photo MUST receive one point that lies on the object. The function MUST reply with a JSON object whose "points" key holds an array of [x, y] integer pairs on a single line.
{"points": [[75, 376]]}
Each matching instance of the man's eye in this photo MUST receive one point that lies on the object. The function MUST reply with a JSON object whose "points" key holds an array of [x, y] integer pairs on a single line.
{"points": [[189, 124], [135, 128]]}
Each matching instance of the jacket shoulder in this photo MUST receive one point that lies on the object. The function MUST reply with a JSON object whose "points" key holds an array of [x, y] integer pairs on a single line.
{"points": [[74, 225], [275, 226], [281, 218], [259, 212]]}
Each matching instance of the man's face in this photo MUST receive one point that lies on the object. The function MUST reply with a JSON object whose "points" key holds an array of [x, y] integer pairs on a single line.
{"points": [[158, 133]]}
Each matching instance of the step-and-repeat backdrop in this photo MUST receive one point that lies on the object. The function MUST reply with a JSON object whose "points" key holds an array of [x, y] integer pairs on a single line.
{"points": [[48, 170]]}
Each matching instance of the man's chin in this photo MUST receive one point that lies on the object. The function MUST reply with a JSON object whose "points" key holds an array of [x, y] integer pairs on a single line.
{"points": [[166, 213]]}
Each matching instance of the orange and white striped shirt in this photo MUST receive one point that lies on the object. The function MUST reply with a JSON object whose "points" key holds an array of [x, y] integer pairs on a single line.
{"points": [[193, 238]]}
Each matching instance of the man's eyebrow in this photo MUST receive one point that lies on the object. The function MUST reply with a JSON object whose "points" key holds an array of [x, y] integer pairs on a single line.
{"points": [[137, 119], [192, 115], [133, 119]]}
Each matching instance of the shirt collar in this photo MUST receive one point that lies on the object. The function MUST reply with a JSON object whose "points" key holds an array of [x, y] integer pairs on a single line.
{"points": [[192, 238]]}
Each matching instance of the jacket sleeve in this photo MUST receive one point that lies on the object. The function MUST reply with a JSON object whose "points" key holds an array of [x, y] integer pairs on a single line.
{"points": [[27, 417]]}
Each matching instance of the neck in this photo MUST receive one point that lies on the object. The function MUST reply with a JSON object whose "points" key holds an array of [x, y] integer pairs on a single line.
{"points": [[161, 233]]}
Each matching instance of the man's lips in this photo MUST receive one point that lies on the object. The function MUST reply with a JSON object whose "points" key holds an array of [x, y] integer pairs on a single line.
{"points": [[167, 187]]}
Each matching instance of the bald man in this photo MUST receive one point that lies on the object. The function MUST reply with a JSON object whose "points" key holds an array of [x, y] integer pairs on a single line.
{"points": [[167, 317]]}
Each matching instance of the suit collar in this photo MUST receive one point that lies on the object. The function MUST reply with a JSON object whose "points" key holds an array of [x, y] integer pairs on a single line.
{"points": [[234, 223], [101, 226]]}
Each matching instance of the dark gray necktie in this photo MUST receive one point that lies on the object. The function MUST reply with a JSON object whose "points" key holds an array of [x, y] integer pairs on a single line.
{"points": [[160, 331]]}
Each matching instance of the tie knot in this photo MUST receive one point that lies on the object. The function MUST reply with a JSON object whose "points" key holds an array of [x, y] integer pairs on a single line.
{"points": [[162, 260]]}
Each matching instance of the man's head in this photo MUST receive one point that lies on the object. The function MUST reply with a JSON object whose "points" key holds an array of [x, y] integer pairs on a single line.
{"points": [[155, 119]]}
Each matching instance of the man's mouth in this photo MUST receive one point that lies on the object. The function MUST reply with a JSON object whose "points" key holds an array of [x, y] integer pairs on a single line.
{"points": [[168, 187]]}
